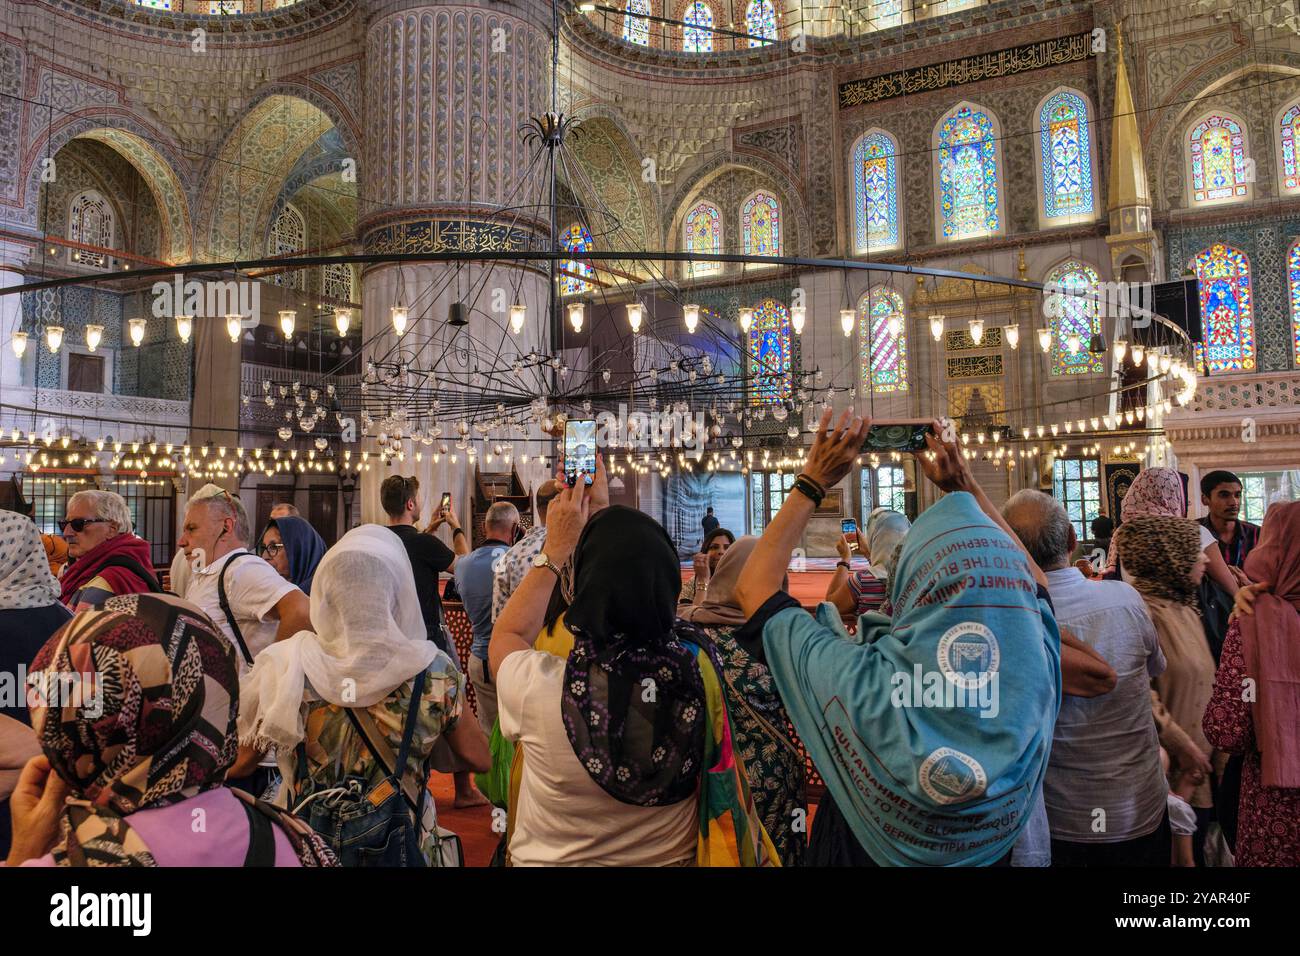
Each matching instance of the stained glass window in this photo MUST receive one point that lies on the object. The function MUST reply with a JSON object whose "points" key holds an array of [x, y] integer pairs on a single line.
{"points": [[1073, 313], [1293, 291], [769, 356], [875, 192], [760, 225], [154, 4], [1067, 156], [697, 35], [1218, 150], [636, 28], [968, 175], [704, 234], [882, 344], [760, 21], [288, 235], [1227, 308], [885, 13], [575, 239], [1290, 164], [90, 220]]}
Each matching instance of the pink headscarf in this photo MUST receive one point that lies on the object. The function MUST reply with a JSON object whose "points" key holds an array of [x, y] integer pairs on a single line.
{"points": [[1155, 493]]}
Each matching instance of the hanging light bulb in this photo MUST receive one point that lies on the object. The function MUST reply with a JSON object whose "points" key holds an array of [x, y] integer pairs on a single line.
{"points": [[1138, 354], [518, 314], [976, 327], [1045, 339], [232, 327], [1012, 333], [1165, 362], [691, 313], [94, 335], [846, 321], [54, 337], [400, 314], [1121, 348], [184, 327], [1072, 343], [894, 324], [575, 316], [746, 319], [137, 327], [936, 326], [20, 343], [343, 320], [288, 318], [798, 315], [634, 313]]}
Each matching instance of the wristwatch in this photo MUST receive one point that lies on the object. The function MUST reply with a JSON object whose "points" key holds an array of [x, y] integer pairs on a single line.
{"points": [[541, 560]]}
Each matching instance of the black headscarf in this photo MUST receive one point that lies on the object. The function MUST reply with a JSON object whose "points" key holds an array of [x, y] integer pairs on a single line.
{"points": [[633, 701]]}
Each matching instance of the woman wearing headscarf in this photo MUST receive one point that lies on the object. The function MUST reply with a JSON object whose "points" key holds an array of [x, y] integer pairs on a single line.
{"points": [[294, 549], [136, 722], [924, 775], [625, 744], [1163, 560], [856, 592], [1262, 650], [1158, 493], [362, 655], [30, 611], [773, 763]]}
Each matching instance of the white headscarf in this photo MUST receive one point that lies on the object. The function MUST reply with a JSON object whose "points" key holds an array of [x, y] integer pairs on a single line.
{"points": [[885, 530], [369, 639], [25, 578]]}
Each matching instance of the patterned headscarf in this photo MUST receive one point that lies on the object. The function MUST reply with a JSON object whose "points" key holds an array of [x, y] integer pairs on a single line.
{"points": [[1159, 554], [154, 723], [25, 578], [1155, 493]]}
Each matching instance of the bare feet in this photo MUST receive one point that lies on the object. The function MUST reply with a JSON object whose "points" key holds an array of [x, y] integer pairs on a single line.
{"points": [[473, 798]]}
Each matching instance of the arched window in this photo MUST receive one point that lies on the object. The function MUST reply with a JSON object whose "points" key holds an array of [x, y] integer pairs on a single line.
{"points": [[1227, 308], [703, 228], [575, 239], [1286, 141], [875, 192], [697, 35], [336, 283], [1065, 148], [288, 235], [1293, 294], [969, 192], [760, 225], [760, 21], [1074, 318], [90, 220], [636, 28], [882, 341], [770, 348], [1216, 151]]}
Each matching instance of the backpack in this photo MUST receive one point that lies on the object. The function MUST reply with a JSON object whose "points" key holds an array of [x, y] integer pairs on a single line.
{"points": [[136, 568]]}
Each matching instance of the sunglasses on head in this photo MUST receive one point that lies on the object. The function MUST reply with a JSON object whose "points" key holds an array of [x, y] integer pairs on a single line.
{"points": [[79, 524]]}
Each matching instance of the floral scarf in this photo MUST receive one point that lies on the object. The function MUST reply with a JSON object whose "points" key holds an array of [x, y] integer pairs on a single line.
{"points": [[153, 725], [25, 578], [1155, 492], [1159, 554]]}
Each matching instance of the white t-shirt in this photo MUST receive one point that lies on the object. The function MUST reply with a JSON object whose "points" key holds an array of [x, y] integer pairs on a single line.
{"points": [[253, 588], [564, 818], [1207, 538]]}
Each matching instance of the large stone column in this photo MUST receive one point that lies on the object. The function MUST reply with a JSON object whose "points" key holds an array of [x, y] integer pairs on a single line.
{"points": [[448, 87]]}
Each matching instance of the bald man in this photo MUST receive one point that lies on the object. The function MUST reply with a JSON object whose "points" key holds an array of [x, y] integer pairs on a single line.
{"points": [[518, 561]]}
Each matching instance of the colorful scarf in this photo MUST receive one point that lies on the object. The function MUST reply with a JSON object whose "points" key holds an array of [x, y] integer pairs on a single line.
{"points": [[90, 565], [1154, 493], [155, 726], [303, 546], [1270, 640], [25, 578], [933, 736], [1158, 555]]}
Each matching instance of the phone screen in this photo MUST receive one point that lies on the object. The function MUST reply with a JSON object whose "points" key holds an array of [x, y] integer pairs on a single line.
{"points": [[579, 449], [446, 501], [849, 528], [896, 436]]}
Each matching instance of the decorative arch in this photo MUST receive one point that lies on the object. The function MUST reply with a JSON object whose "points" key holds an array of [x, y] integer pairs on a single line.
{"points": [[1227, 308], [1286, 131], [771, 354], [882, 340], [607, 174], [702, 232], [1073, 317], [1219, 167], [877, 225], [1066, 156], [968, 174]]}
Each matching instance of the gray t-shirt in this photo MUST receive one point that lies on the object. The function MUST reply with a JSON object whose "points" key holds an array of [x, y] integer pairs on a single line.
{"points": [[1104, 783]]}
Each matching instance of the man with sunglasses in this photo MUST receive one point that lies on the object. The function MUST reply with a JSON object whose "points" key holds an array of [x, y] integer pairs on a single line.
{"points": [[106, 557]]}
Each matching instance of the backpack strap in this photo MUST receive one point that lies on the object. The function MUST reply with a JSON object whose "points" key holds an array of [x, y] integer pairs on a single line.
{"points": [[378, 747], [261, 838], [225, 604], [136, 568]]}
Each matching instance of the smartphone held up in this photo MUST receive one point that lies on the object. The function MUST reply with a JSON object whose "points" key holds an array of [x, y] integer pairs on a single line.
{"points": [[579, 449], [902, 435]]}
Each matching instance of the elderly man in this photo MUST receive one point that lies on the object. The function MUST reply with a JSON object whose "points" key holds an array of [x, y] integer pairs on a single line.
{"points": [[1104, 790], [518, 561], [475, 575], [107, 558]]}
